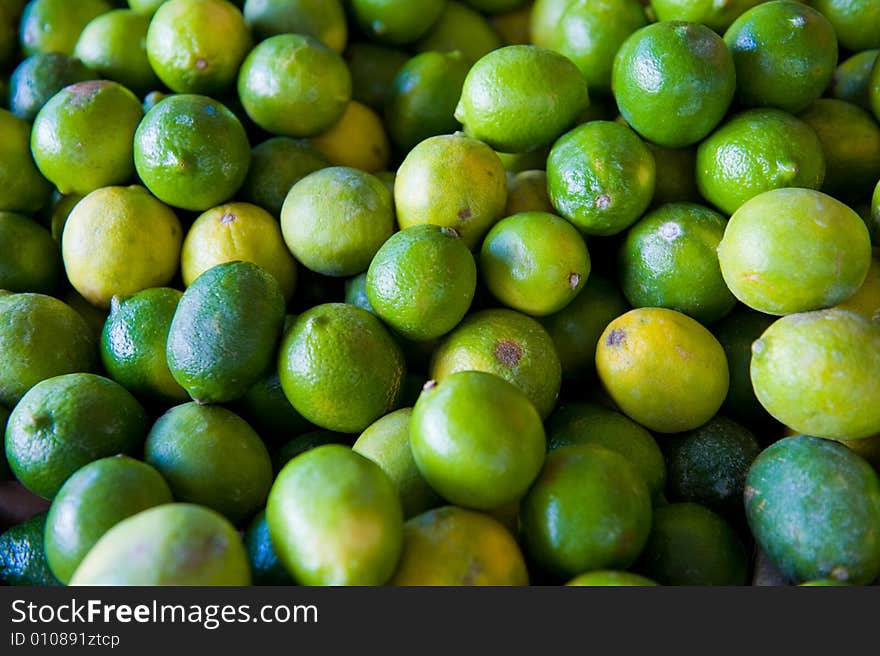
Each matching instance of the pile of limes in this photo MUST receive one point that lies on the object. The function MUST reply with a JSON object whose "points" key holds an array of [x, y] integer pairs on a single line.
{"points": [[438, 292]]}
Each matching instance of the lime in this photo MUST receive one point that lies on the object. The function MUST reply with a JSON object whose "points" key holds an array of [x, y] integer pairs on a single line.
{"points": [[306, 442], [237, 231], [335, 219], [335, 519], [521, 98], [118, 241], [133, 343], [610, 578], [61, 212], [276, 165], [663, 369], [534, 262], [514, 26], [477, 440], [762, 260], [600, 176], [527, 192], [356, 292], [356, 140], [322, 19], [266, 568], [294, 85], [22, 556], [197, 46], [854, 21], [191, 152], [55, 25], [496, 6], [397, 22], [852, 79], [39, 77], [715, 15], [40, 337], [66, 422], [265, 407], [29, 257], [519, 162], [873, 221], [373, 69], [673, 82], [452, 181], [460, 29], [866, 301], [546, 15], [785, 54], [22, 187], [874, 91], [147, 7]]}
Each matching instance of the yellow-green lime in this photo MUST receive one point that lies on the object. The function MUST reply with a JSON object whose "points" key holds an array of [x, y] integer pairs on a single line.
{"points": [[854, 22], [460, 29], [715, 15], [527, 192], [22, 187], [396, 22], [357, 140], [55, 25], [322, 19]]}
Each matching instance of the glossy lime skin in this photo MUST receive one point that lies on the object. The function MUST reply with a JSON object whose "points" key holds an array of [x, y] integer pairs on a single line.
{"points": [[673, 82], [266, 568], [817, 372], [855, 23], [600, 176], [463, 29], [785, 54], [30, 258], [477, 440], [504, 103], [322, 19], [588, 510], [715, 15], [92, 501], [294, 85], [55, 25], [175, 544], [22, 187], [814, 507], [39, 77], [421, 281], [691, 545], [852, 79], [396, 22], [224, 332], [669, 259], [335, 519], [610, 578], [276, 165], [22, 557], [191, 152], [756, 151], [770, 238]]}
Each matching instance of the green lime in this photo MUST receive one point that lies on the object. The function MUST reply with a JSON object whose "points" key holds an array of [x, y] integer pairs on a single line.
{"points": [[4, 467], [197, 46], [756, 151], [527, 192], [39, 77], [575, 329], [673, 82], [817, 371], [55, 25], [691, 545], [265, 407], [294, 85], [175, 544], [546, 15], [874, 91], [373, 69], [212, 457], [191, 152], [357, 140], [387, 443], [60, 213], [92, 501], [460, 29], [477, 440], [600, 176], [133, 343], [508, 344], [452, 181], [852, 79], [66, 422], [276, 165], [322, 19], [40, 337], [356, 292], [521, 98], [589, 423], [496, 6], [266, 568], [22, 187], [519, 162], [306, 442], [610, 578], [663, 369], [769, 238], [147, 7], [424, 96], [453, 546], [421, 281], [669, 259], [590, 32], [711, 13], [534, 262], [874, 221], [854, 22], [22, 556], [785, 54], [589, 509], [335, 219], [93, 316], [29, 257], [397, 22], [335, 519], [237, 231], [118, 241], [340, 367], [850, 138]]}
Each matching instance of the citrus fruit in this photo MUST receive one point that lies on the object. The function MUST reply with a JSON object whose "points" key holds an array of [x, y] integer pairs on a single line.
{"points": [[294, 85], [816, 371], [852, 79], [335, 219], [521, 98], [477, 440], [663, 369], [55, 25], [514, 26], [674, 180], [852, 21], [173, 544], [356, 292], [534, 262], [68, 421], [610, 578], [276, 165], [225, 331], [496, 6], [452, 181], [118, 241], [356, 140], [453, 546], [322, 19], [265, 407], [762, 260], [715, 15], [29, 257], [22, 186], [545, 17], [22, 556], [460, 29], [396, 22], [266, 568], [373, 69], [306, 442], [335, 519], [61, 210], [866, 301], [673, 82], [39, 77], [237, 231], [527, 192], [191, 152], [874, 91], [147, 7], [133, 342]]}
